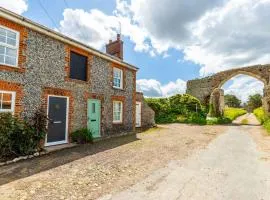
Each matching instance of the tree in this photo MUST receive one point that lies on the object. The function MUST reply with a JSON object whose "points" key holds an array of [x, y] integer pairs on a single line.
{"points": [[232, 101], [254, 101]]}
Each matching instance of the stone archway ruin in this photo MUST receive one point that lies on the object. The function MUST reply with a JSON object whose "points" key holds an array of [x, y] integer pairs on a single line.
{"points": [[208, 90]]}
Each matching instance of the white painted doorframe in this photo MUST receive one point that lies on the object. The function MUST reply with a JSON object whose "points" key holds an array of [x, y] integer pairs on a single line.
{"points": [[138, 114], [67, 115]]}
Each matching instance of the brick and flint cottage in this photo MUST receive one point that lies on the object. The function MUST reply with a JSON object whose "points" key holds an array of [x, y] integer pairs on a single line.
{"points": [[76, 85]]}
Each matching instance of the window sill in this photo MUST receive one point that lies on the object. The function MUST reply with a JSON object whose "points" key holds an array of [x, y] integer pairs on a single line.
{"points": [[4, 67], [117, 123], [13, 66], [117, 88], [76, 81]]}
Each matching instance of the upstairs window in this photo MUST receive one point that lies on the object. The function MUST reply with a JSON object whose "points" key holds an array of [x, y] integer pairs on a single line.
{"points": [[7, 101], [78, 66], [117, 112], [9, 45], [117, 78]]}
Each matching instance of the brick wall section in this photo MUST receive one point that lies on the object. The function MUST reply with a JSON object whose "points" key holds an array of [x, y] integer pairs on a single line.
{"points": [[14, 87], [47, 71], [22, 45], [148, 115]]}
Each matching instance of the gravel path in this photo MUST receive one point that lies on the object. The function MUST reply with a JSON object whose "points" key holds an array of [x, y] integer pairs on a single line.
{"points": [[232, 167], [91, 171]]}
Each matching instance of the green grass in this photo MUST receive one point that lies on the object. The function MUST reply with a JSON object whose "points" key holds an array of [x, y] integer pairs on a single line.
{"points": [[233, 113], [262, 118], [266, 125], [260, 115], [218, 120], [244, 121]]}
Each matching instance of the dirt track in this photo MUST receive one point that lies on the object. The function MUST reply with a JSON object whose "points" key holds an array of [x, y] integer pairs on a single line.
{"points": [[233, 166], [76, 174], [171, 162]]}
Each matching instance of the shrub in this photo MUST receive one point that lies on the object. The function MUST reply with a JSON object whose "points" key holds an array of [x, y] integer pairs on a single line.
{"points": [[233, 113], [184, 104], [266, 125], [219, 120], [262, 118], [197, 118], [19, 137], [260, 115], [82, 136], [178, 108]]}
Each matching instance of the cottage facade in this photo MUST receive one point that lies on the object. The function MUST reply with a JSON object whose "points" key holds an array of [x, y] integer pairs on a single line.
{"points": [[75, 84]]}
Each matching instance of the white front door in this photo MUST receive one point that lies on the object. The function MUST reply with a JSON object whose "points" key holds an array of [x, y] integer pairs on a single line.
{"points": [[138, 114]]}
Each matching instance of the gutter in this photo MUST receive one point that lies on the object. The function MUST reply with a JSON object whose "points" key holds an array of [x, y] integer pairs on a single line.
{"points": [[58, 36]]}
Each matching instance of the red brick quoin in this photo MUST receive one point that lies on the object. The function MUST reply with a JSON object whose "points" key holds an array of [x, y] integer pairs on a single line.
{"points": [[14, 87], [22, 45]]}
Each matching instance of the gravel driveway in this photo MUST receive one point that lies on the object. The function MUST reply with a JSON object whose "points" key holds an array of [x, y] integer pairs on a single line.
{"points": [[90, 172], [231, 167]]}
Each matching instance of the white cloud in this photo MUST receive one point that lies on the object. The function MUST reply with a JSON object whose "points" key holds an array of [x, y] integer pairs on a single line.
{"points": [[17, 6], [242, 86], [153, 88], [96, 28], [215, 34], [234, 35]]}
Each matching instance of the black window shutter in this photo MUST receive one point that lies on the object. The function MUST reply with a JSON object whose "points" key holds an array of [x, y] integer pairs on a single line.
{"points": [[78, 66]]}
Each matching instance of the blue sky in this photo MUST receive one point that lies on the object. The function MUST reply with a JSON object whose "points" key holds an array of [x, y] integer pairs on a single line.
{"points": [[159, 68], [171, 42]]}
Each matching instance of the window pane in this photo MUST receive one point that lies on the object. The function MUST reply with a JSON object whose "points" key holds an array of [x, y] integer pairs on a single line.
{"points": [[3, 31], [11, 35], [11, 42], [93, 108], [6, 105], [78, 66], [11, 52], [7, 97], [1, 59], [2, 49], [3, 39], [10, 60]]}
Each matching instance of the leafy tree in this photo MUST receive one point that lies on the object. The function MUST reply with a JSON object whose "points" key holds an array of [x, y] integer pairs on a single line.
{"points": [[254, 101], [184, 104], [232, 101]]}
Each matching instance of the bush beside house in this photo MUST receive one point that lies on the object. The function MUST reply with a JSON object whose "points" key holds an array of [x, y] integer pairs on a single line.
{"points": [[178, 108], [188, 109], [19, 137], [82, 136]]}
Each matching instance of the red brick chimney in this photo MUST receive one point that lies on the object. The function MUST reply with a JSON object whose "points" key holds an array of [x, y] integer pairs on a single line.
{"points": [[115, 48]]}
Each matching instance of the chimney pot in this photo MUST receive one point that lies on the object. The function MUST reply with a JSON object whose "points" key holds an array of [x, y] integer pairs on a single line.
{"points": [[118, 37], [115, 48]]}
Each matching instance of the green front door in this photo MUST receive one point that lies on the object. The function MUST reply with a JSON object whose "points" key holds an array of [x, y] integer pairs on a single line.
{"points": [[93, 116]]}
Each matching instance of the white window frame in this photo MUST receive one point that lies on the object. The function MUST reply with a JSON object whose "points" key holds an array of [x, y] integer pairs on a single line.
{"points": [[13, 97], [121, 78], [121, 112], [12, 47]]}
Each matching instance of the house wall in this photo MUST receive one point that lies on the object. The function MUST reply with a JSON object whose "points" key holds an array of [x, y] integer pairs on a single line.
{"points": [[45, 64], [148, 115]]}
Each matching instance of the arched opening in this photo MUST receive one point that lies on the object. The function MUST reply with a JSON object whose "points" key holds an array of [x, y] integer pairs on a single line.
{"points": [[239, 90]]}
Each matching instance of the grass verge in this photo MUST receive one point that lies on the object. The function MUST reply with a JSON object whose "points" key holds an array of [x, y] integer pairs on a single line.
{"points": [[233, 113], [262, 118]]}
